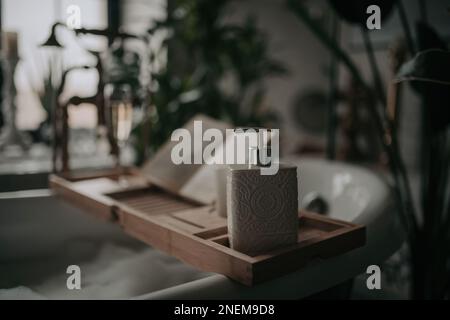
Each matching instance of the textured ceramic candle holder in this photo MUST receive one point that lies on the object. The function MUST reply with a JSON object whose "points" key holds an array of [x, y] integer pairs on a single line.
{"points": [[262, 209], [221, 189]]}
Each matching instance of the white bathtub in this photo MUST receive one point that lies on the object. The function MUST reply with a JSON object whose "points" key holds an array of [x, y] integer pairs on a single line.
{"points": [[40, 236]]}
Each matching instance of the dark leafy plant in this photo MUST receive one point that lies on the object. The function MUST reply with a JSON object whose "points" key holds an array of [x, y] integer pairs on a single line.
{"points": [[429, 73], [47, 94], [428, 239], [122, 66], [212, 67], [427, 37]]}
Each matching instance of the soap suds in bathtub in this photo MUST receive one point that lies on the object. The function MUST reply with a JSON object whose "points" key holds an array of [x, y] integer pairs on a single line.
{"points": [[117, 272], [20, 293]]}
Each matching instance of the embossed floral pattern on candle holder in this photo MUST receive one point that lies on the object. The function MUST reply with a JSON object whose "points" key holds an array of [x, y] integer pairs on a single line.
{"points": [[263, 209]]}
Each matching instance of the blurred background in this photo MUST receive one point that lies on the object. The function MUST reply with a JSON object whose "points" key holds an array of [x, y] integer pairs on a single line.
{"points": [[337, 90], [247, 62]]}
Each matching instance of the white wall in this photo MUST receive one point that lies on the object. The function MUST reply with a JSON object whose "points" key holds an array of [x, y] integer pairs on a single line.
{"points": [[293, 45]]}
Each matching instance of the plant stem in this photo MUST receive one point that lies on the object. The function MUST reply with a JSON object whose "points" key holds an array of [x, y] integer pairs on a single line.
{"points": [[373, 64], [423, 11], [405, 26], [332, 96]]}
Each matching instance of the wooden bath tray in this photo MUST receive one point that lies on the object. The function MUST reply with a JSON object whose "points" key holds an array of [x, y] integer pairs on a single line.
{"points": [[194, 233]]}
